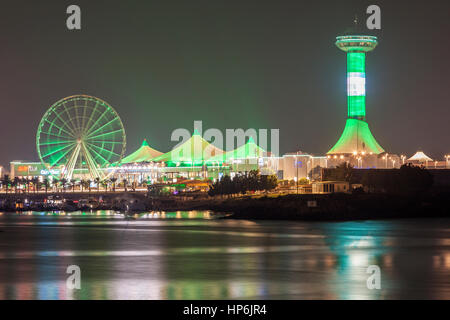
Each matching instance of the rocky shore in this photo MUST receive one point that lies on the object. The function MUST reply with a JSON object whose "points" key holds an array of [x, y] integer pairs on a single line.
{"points": [[331, 207]]}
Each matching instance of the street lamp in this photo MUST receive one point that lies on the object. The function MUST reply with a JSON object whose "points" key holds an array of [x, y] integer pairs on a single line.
{"points": [[296, 181], [403, 159], [296, 165]]}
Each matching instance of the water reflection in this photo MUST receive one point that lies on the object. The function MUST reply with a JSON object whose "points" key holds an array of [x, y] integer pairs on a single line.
{"points": [[191, 255], [175, 215]]}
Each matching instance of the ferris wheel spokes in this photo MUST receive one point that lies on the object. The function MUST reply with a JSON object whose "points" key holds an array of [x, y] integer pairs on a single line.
{"points": [[59, 150], [60, 129], [68, 172], [92, 166], [89, 134], [80, 133], [89, 130]]}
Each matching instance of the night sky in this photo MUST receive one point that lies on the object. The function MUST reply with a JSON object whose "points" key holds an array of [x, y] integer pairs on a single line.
{"points": [[232, 64]]}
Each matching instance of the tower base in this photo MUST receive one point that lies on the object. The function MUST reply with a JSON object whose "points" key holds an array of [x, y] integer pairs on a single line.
{"points": [[356, 138]]}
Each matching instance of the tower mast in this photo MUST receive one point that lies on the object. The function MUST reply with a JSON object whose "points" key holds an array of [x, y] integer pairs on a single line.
{"points": [[356, 136]]}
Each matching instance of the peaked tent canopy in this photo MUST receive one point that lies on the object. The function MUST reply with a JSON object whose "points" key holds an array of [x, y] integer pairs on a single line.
{"points": [[196, 149], [420, 156], [247, 151], [144, 154]]}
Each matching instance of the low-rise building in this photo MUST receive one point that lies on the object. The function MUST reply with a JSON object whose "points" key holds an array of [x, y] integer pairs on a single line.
{"points": [[330, 187]]}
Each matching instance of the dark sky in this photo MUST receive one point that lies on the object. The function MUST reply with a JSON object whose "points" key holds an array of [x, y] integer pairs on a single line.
{"points": [[232, 64]]}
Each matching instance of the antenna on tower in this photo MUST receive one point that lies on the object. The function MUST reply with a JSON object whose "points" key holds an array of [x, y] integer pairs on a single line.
{"points": [[355, 21]]}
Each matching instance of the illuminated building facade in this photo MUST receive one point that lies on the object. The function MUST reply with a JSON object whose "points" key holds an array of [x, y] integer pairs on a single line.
{"points": [[23, 169]]}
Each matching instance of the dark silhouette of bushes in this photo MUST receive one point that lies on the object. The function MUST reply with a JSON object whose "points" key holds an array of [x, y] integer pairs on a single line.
{"points": [[408, 180], [252, 181], [342, 172]]}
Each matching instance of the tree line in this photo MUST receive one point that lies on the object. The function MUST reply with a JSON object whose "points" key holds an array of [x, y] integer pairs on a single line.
{"points": [[63, 184], [408, 180], [241, 184]]}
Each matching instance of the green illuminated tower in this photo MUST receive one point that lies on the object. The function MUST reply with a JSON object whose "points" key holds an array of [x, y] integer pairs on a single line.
{"points": [[356, 137]]}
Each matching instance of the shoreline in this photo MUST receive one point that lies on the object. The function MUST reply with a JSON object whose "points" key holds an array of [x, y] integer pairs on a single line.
{"points": [[302, 207]]}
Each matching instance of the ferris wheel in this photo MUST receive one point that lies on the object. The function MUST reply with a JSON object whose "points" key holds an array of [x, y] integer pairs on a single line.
{"points": [[82, 136]]}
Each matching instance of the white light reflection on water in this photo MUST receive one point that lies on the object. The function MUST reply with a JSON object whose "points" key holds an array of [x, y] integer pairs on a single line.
{"points": [[150, 257], [141, 253]]}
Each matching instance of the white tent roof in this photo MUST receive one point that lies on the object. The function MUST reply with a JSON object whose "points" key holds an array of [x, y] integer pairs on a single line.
{"points": [[144, 154], [194, 149], [420, 156]]}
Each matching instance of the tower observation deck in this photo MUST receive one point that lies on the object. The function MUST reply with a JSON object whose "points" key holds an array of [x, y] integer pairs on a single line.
{"points": [[356, 136]]}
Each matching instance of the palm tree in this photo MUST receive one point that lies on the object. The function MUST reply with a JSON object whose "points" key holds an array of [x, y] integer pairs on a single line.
{"points": [[22, 184], [105, 185], [73, 182], [113, 181], [97, 181], [55, 182], [82, 184], [6, 182], [36, 184], [63, 182], [15, 183], [46, 183], [88, 184]]}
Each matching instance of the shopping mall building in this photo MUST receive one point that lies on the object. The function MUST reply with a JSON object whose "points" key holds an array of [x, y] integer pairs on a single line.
{"points": [[197, 159], [194, 159]]}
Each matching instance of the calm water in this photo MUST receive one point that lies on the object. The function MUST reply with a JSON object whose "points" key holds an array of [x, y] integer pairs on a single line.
{"points": [[191, 255]]}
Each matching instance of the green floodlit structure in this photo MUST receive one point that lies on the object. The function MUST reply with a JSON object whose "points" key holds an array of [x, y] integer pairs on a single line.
{"points": [[356, 137], [194, 152], [198, 152], [80, 135], [144, 154], [250, 150]]}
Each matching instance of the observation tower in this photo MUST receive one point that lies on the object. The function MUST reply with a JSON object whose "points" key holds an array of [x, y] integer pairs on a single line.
{"points": [[356, 138]]}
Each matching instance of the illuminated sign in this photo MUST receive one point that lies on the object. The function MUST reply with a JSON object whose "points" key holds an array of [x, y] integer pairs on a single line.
{"points": [[52, 171], [26, 168], [356, 84]]}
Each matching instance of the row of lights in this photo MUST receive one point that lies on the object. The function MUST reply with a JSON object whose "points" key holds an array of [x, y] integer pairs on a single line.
{"points": [[355, 153], [363, 153], [135, 167], [360, 155]]}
